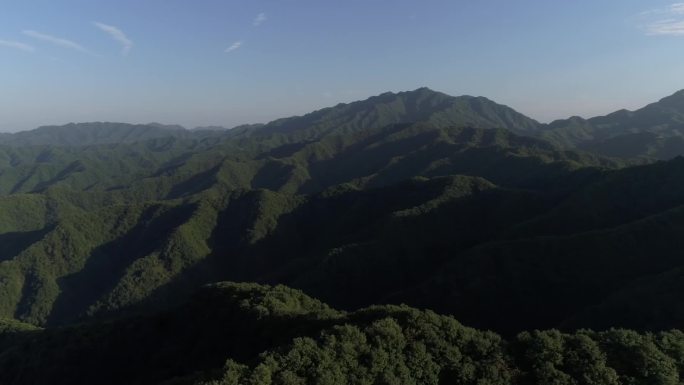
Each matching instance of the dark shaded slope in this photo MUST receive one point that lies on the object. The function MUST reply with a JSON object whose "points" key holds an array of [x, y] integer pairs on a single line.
{"points": [[394, 153], [618, 197], [621, 234]]}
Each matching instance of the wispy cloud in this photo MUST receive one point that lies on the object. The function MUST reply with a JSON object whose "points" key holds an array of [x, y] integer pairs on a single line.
{"points": [[16, 45], [118, 35], [677, 8], [58, 41], [670, 27], [668, 21], [259, 19], [234, 46]]}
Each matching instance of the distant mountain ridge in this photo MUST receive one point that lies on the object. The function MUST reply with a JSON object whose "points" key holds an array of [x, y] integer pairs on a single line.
{"points": [[84, 134], [422, 105], [655, 131]]}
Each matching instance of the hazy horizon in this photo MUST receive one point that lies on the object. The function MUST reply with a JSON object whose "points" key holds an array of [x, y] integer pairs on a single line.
{"points": [[228, 63], [229, 126]]}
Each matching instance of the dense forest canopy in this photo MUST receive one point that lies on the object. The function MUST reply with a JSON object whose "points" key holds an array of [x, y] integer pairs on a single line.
{"points": [[251, 334]]}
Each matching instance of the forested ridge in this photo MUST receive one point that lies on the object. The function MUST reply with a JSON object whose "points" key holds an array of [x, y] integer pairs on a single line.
{"points": [[110, 234]]}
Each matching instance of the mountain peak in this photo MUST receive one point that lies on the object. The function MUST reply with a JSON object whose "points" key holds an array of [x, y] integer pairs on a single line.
{"points": [[420, 105], [425, 90], [422, 92], [165, 126]]}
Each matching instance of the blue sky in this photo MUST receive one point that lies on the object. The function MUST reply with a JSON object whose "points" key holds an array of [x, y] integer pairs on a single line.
{"points": [[212, 62]]}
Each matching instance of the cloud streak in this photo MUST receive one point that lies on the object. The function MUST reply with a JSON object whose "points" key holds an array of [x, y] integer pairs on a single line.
{"points": [[16, 45], [665, 21], [666, 28], [234, 46], [677, 8], [118, 35], [58, 41], [259, 19]]}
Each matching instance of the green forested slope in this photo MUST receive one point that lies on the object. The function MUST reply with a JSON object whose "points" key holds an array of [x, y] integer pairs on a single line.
{"points": [[194, 213], [250, 334]]}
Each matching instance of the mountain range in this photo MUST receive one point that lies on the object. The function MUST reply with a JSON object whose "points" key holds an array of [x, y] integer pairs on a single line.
{"points": [[655, 131], [460, 205]]}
